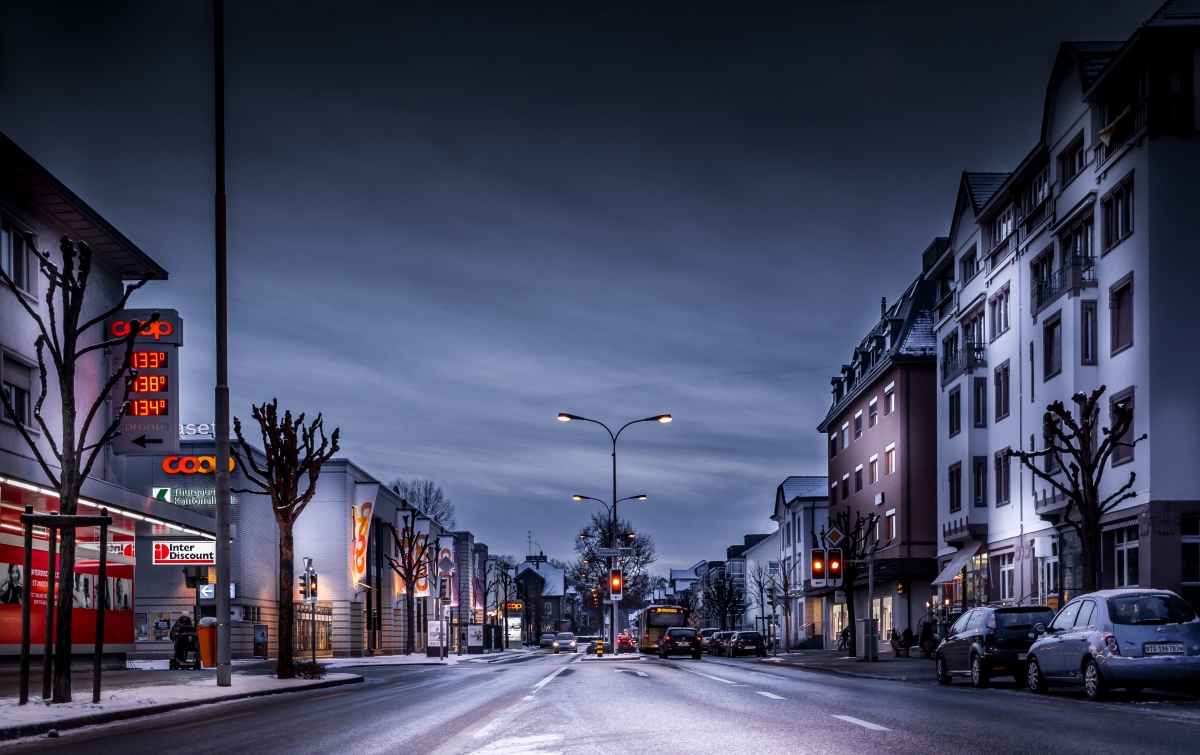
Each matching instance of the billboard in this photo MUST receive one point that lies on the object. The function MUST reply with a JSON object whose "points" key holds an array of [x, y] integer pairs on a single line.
{"points": [[172, 552], [150, 424]]}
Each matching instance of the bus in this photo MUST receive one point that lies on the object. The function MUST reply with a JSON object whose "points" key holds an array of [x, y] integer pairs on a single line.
{"points": [[653, 623]]}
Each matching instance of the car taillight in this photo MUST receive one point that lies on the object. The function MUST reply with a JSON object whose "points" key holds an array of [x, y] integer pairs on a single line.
{"points": [[1110, 642]]}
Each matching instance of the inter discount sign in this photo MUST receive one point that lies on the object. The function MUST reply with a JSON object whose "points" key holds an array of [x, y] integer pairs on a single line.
{"points": [[168, 552]]}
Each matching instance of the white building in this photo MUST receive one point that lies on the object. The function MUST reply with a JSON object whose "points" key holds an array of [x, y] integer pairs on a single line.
{"points": [[1072, 272], [762, 570], [801, 511]]}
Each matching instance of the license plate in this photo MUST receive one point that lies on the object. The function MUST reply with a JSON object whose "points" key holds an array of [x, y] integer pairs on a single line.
{"points": [[752, 647], [1022, 656], [1163, 648]]}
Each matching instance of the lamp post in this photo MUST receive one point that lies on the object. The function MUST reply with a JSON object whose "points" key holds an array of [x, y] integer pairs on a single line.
{"points": [[661, 418]]}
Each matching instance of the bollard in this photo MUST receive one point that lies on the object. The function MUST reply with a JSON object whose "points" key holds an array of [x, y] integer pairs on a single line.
{"points": [[599, 648]]}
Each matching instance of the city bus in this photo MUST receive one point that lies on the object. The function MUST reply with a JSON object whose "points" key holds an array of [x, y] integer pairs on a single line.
{"points": [[653, 623]]}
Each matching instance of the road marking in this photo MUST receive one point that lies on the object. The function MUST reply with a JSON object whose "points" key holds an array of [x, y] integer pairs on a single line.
{"points": [[207, 721], [768, 694], [763, 673], [862, 723], [710, 676], [546, 681]]}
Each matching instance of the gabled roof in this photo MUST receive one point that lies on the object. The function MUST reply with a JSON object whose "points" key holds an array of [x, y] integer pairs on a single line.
{"points": [[1176, 13], [554, 581], [795, 488], [981, 187], [25, 181]]}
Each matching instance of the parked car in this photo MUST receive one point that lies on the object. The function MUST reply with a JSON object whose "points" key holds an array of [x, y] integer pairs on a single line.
{"points": [[564, 641], [1130, 638], [742, 643], [706, 637], [716, 643], [625, 643], [547, 640], [989, 641], [678, 641]]}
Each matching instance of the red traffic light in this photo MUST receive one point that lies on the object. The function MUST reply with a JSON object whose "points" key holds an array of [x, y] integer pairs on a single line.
{"points": [[616, 583], [819, 563], [835, 566]]}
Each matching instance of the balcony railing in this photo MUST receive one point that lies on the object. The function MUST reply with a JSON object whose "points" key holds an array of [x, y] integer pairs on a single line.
{"points": [[1077, 273], [1035, 218], [964, 359]]}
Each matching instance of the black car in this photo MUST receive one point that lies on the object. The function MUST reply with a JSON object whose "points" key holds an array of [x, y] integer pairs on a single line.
{"points": [[742, 643], [678, 641], [716, 643], [990, 641]]}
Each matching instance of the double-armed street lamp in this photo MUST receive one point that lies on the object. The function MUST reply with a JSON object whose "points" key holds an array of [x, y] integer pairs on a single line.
{"points": [[660, 418]]}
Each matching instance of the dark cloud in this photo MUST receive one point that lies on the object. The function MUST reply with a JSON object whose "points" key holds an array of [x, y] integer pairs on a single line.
{"points": [[449, 223]]}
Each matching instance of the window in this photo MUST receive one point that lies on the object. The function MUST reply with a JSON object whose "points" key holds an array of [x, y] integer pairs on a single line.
{"points": [[1053, 462], [889, 518], [969, 263], [1077, 244], [889, 459], [14, 257], [1001, 379], [954, 486], [1071, 161], [1066, 617], [1052, 346], [845, 486], [1122, 454], [1126, 556], [1037, 191], [1002, 226], [1006, 576], [873, 470], [998, 313], [1120, 305], [845, 436], [1087, 332], [889, 399], [973, 330], [1117, 209], [832, 445], [979, 480], [873, 413], [1087, 615], [1003, 478], [1189, 531], [857, 425], [980, 408], [955, 411], [16, 390], [858, 478]]}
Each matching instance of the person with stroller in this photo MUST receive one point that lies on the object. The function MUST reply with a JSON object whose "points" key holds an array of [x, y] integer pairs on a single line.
{"points": [[183, 634]]}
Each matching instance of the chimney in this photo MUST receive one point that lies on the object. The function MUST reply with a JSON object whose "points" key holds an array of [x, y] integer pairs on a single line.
{"points": [[883, 308]]}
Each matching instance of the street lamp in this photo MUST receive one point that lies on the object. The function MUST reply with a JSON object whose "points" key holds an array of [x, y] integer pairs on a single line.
{"points": [[660, 418]]}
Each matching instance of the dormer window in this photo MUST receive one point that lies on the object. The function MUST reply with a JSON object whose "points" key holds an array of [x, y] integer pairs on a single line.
{"points": [[1002, 226]]}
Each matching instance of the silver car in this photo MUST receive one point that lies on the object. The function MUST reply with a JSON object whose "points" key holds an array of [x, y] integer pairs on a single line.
{"points": [[1126, 638]]}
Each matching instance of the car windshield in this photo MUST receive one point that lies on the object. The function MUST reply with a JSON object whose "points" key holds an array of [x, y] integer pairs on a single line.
{"points": [[1150, 609], [749, 636], [565, 636], [1023, 619], [681, 633]]}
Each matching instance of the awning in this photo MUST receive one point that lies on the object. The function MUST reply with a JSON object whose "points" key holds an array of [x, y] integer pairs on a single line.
{"points": [[956, 564], [1120, 524]]}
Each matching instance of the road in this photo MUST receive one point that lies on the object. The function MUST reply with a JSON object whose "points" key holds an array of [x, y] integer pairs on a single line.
{"points": [[545, 704]]}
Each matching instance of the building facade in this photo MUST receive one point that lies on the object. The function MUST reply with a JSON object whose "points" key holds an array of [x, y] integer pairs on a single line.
{"points": [[1062, 276], [801, 511]]}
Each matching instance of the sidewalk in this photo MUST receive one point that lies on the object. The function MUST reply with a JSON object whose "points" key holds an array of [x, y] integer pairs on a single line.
{"points": [[137, 693], [837, 662]]}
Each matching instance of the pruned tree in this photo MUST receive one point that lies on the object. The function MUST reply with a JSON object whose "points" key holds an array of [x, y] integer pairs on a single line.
{"points": [[294, 453], [687, 600], [856, 547], [428, 498], [411, 564], [590, 572], [1077, 445], [63, 337], [724, 600], [761, 584], [782, 586]]}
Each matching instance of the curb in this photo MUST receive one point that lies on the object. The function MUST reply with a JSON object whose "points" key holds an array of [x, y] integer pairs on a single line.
{"points": [[30, 730], [835, 671]]}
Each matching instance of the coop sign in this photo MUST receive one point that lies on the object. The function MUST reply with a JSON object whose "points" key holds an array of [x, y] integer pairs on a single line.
{"points": [[192, 464], [171, 552]]}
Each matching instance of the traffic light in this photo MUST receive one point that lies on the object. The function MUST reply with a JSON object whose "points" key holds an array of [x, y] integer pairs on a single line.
{"points": [[616, 584], [818, 568], [304, 587], [835, 567], [312, 585]]}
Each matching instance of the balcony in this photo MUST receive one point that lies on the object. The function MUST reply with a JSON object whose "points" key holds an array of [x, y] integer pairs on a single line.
{"points": [[960, 530], [1034, 218], [965, 359], [1078, 273], [1005, 247]]}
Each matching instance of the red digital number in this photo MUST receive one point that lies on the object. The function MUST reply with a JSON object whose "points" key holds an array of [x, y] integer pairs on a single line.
{"points": [[149, 360], [149, 384], [148, 407]]}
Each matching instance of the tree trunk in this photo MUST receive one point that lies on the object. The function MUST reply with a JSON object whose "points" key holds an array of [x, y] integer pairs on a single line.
{"points": [[287, 617], [851, 617], [410, 619], [1089, 539], [62, 641]]}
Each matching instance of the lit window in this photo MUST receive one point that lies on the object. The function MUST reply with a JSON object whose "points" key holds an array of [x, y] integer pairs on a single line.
{"points": [[873, 470], [889, 459]]}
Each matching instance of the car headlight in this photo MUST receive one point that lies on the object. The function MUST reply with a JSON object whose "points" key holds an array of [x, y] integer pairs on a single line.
{"points": [[555, 644]]}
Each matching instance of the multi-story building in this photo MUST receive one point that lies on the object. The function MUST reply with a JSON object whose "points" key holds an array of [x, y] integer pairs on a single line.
{"points": [[880, 435], [801, 511], [762, 570], [1070, 273]]}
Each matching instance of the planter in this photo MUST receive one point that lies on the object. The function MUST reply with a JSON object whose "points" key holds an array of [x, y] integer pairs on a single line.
{"points": [[901, 652]]}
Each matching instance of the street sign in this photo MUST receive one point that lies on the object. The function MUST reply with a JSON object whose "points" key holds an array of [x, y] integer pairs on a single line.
{"points": [[445, 565], [614, 552], [151, 423], [834, 536], [694, 620]]}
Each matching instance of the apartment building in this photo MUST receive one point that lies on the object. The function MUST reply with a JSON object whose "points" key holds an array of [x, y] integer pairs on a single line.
{"points": [[801, 511], [1071, 272], [881, 438]]}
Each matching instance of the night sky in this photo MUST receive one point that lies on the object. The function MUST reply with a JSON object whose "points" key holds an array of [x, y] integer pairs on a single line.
{"points": [[448, 223]]}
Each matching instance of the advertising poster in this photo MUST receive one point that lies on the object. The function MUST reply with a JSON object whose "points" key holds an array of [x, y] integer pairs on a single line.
{"points": [[160, 625], [421, 528], [364, 495], [475, 636], [435, 633], [478, 577]]}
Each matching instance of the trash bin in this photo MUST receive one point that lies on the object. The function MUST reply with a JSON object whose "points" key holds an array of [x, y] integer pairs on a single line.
{"points": [[206, 632]]}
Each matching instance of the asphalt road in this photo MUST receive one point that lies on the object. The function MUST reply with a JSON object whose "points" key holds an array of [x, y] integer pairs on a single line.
{"points": [[564, 704]]}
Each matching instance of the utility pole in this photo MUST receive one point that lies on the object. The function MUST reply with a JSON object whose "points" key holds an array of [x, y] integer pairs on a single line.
{"points": [[224, 656]]}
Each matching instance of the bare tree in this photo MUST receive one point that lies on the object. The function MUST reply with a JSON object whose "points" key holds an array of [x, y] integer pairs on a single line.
{"points": [[294, 455], [761, 584], [589, 571], [855, 549], [724, 600], [410, 564], [782, 586], [499, 589], [1078, 440], [62, 335], [429, 498], [687, 600]]}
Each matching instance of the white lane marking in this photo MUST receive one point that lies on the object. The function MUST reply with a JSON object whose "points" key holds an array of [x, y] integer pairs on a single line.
{"points": [[710, 676], [862, 723], [768, 694], [535, 745], [763, 673], [546, 681]]}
